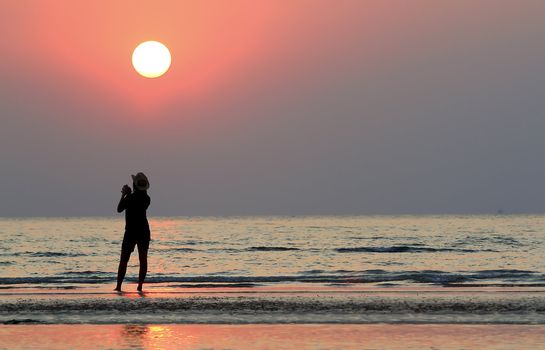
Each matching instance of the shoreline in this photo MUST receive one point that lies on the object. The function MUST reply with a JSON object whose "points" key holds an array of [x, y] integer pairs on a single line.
{"points": [[277, 305]]}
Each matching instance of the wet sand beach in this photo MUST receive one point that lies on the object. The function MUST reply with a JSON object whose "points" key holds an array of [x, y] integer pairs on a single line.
{"points": [[288, 317], [299, 336]]}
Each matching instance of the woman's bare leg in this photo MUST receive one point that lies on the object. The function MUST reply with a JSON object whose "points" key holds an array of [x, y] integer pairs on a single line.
{"points": [[123, 261], [143, 257]]}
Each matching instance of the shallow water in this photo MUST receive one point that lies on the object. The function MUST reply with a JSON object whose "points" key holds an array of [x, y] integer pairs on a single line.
{"points": [[266, 306], [333, 250]]}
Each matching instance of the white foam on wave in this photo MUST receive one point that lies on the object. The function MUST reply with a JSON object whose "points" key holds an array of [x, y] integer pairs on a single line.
{"points": [[317, 307]]}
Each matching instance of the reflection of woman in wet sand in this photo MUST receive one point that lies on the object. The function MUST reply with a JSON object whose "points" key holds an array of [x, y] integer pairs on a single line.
{"points": [[137, 232], [135, 335]]}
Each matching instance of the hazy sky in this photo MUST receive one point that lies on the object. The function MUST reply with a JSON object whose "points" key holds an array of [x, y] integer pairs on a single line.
{"points": [[274, 107]]}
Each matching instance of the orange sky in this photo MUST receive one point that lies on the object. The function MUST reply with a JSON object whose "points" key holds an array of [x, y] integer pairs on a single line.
{"points": [[215, 45], [92, 42]]}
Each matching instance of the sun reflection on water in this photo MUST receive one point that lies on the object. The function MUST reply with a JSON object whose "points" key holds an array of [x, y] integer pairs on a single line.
{"points": [[159, 336]]}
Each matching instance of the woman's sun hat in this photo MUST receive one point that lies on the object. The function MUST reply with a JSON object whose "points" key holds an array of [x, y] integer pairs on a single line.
{"points": [[140, 181]]}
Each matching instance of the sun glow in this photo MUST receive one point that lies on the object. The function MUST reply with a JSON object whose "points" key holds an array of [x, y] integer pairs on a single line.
{"points": [[151, 59]]}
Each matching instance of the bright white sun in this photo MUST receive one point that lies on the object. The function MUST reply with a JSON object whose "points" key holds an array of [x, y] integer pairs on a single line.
{"points": [[151, 59]]}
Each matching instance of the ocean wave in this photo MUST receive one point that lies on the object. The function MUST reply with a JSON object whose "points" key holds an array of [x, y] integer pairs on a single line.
{"points": [[38, 287], [255, 249], [487, 240], [45, 254], [182, 249], [22, 321], [186, 242], [87, 273], [271, 249], [314, 276], [404, 249], [287, 304], [413, 248], [312, 272]]}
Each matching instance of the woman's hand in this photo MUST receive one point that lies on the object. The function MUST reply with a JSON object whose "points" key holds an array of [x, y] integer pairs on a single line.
{"points": [[126, 190]]}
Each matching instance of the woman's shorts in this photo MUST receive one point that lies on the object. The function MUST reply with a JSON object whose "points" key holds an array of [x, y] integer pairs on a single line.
{"points": [[129, 244]]}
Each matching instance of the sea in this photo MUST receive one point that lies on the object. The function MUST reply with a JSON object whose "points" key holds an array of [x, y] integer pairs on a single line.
{"points": [[479, 268]]}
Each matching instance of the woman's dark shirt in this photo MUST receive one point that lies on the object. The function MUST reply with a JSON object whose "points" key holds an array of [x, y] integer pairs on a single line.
{"points": [[136, 222]]}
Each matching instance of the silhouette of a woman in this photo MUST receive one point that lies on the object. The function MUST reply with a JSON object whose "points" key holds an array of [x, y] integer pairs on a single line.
{"points": [[137, 232]]}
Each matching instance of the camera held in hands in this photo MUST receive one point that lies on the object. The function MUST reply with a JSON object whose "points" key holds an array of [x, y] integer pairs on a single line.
{"points": [[126, 190]]}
